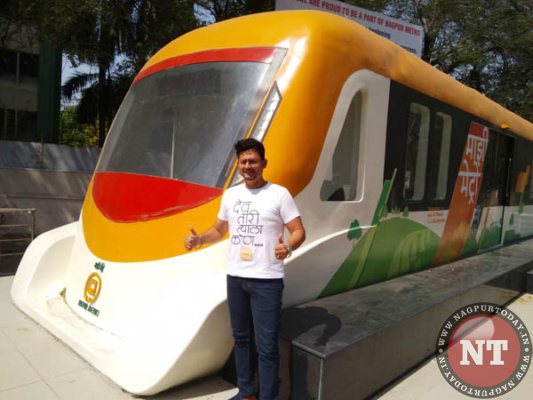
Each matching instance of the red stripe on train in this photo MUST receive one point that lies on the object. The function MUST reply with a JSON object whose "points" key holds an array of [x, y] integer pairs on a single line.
{"points": [[123, 197], [252, 54]]}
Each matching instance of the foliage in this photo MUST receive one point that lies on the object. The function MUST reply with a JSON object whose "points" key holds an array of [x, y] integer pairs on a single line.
{"points": [[74, 133], [86, 83], [485, 44], [220, 10], [18, 16], [97, 33], [154, 23]]}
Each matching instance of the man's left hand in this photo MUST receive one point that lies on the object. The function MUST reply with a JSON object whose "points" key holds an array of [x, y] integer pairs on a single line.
{"points": [[281, 249]]}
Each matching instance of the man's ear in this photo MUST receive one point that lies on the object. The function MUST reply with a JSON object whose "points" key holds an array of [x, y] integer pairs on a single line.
{"points": [[265, 162]]}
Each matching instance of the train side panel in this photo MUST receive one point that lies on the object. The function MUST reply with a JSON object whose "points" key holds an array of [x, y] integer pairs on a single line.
{"points": [[455, 185], [345, 188]]}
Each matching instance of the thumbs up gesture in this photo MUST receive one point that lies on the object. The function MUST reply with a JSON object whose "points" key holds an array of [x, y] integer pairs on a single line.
{"points": [[280, 249], [193, 240]]}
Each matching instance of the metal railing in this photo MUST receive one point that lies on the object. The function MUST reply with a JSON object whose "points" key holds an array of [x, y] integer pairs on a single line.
{"points": [[17, 230]]}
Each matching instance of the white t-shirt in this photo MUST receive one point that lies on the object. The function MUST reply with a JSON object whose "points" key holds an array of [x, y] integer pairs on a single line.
{"points": [[256, 217]]}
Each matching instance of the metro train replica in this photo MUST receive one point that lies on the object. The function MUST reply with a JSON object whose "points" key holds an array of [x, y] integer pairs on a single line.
{"points": [[395, 168]]}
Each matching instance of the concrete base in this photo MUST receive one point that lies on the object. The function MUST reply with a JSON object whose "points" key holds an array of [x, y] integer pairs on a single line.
{"points": [[352, 345]]}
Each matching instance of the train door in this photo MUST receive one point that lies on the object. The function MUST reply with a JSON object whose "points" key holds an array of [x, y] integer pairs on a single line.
{"points": [[494, 194], [339, 202]]}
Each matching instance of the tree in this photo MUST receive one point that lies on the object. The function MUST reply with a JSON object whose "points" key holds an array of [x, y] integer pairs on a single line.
{"points": [[485, 44], [97, 32], [355, 231], [154, 24], [91, 32], [17, 21], [220, 10], [73, 133], [117, 84]]}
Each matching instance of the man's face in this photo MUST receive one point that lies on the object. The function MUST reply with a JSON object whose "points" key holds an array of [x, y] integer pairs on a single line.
{"points": [[251, 165]]}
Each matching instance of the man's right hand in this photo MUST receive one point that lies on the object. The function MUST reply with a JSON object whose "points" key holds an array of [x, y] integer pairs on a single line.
{"points": [[193, 240]]}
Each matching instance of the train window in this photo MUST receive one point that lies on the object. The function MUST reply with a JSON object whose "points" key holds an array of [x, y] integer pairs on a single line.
{"points": [[181, 123], [439, 156], [495, 169], [341, 181], [267, 114], [261, 125], [416, 156]]}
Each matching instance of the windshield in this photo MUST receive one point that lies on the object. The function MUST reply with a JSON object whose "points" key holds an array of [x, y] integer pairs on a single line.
{"points": [[181, 122]]}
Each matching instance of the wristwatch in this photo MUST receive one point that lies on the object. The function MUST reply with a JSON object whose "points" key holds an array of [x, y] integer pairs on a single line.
{"points": [[289, 250]]}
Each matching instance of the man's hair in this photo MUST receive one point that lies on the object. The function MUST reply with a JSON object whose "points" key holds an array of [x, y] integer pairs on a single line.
{"points": [[250, 144]]}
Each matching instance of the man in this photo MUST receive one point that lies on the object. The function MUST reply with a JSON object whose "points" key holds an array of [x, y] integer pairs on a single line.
{"points": [[255, 215]]}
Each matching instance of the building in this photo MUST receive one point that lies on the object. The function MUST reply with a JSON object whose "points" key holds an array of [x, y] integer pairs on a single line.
{"points": [[30, 84]]}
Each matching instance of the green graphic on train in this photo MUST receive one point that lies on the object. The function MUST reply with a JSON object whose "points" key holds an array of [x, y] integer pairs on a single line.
{"points": [[396, 245]]}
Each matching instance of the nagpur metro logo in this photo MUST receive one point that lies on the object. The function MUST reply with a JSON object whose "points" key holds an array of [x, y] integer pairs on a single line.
{"points": [[483, 350], [92, 288]]}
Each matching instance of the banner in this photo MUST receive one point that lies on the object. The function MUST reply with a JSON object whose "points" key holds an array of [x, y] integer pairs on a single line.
{"points": [[465, 194], [408, 36]]}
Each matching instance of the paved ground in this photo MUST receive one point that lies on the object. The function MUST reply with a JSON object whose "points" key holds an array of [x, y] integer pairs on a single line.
{"points": [[34, 365]]}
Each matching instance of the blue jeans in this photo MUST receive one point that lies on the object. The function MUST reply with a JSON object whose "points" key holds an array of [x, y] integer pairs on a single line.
{"points": [[255, 305]]}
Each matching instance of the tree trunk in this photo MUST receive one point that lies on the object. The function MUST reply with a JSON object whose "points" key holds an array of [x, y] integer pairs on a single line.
{"points": [[102, 102]]}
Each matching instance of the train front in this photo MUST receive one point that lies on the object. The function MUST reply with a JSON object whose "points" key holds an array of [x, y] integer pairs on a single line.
{"points": [[135, 304], [118, 286]]}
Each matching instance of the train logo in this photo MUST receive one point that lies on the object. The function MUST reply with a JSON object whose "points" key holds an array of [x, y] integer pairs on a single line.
{"points": [[92, 288]]}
